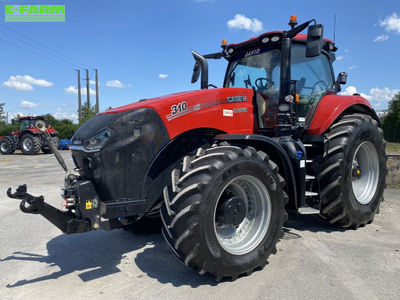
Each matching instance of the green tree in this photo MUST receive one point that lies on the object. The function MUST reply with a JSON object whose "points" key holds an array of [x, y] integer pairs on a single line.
{"points": [[65, 127], [2, 114], [87, 113], [391, 122]]}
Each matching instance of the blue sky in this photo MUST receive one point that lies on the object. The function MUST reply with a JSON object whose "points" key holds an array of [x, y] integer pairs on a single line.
{"points": [[142, 48]]}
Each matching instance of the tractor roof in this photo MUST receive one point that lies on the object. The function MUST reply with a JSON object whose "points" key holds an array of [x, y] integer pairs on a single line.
{"points": [[31, 118], [270, 34], [272, 37]]}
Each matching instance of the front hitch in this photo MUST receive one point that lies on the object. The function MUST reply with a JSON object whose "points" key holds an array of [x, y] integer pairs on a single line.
{"points": [[65, 221], [35, 204]]}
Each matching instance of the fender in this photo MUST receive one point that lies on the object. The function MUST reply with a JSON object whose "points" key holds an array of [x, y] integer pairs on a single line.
{"points": [[332, 106], [276, 152], [159, 171]]}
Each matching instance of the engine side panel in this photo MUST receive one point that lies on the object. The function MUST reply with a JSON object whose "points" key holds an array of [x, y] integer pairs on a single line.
{"points": [[330, 107], [227, 109]]}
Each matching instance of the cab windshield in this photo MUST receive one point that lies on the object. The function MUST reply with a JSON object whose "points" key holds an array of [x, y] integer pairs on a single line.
{"points": [[25, 124], [258, 69]]}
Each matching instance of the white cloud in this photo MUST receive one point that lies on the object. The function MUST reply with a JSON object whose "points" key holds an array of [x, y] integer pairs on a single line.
{"points": [[92, 82], [73, 90], [384, 94], [381, 38], [375, 94], [115, 83], [350, 90], [162, 75], [340, 57], [66, 115], [352, 67], [25, 82], [242, 22], [391, 23], [27, 104]]}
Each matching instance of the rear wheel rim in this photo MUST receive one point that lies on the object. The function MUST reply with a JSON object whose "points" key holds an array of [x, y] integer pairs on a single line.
{"points": [[365, 172], [246, 236], [27, 144], [4, 147]]}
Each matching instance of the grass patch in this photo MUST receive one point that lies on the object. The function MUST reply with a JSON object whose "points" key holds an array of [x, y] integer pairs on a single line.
{"points": [[393, 148], [393, 186]]}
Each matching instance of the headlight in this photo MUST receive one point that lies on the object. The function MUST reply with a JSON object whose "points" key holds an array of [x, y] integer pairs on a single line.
{"points": [[97, 141]]}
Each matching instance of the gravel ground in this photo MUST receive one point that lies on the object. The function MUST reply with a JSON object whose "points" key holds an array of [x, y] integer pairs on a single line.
{"points": [[314, 260]]}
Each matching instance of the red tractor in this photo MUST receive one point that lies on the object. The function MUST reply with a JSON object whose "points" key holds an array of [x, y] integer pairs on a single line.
{"points": [[223, 166], [29, 138]]}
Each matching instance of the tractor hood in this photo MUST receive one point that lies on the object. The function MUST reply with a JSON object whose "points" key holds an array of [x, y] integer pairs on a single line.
{"points": [[171, 114], [225, 109]]}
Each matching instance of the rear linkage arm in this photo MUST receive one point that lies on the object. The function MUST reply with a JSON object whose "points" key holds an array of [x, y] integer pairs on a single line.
{"points": [[65, 221]]}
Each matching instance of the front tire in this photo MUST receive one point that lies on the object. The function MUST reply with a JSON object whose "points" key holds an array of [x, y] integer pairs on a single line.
{"points": [[225, 210], [353, 173], [6, 146]]}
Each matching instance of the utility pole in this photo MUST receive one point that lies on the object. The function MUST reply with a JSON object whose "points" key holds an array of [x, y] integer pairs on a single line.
{"points": [[87, 90], [97, 92], [79, 97]]}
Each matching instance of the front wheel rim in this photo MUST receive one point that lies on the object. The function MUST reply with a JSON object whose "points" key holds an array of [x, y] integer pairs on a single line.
{"points": [[246, 236], [365, 172], [4, 147]]}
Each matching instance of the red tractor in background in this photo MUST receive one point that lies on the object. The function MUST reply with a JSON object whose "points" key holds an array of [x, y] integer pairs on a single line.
{"points": [[29, 138], [223, 166]]}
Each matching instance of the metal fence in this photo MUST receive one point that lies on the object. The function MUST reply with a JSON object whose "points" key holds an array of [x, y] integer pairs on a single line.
{"points": [[392, 134]]}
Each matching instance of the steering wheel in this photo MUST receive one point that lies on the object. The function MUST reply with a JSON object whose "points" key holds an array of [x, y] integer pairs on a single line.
{"points": [[315, 85], [260, 83]]}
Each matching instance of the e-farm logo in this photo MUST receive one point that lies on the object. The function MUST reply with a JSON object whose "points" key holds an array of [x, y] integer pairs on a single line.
{"points": [[34, 13]]}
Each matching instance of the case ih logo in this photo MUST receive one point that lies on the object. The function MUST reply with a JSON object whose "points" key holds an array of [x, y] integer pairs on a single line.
{"points": [[235, 99], [34, 13]]}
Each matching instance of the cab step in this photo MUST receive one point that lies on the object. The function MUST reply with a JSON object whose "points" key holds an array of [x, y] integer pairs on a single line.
{"points": [[306, 210], [311, 194], [309, 177]]}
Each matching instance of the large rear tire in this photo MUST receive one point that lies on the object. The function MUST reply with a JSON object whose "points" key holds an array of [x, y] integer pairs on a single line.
{"points": [[56, 142], [353, 173], [225, 210], [30, 144]]}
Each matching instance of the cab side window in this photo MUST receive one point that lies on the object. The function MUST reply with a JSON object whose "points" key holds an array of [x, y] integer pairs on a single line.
{"points": [[313, 77]]}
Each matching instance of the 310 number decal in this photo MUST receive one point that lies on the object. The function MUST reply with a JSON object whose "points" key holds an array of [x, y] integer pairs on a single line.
{"points": [[178, 108]]}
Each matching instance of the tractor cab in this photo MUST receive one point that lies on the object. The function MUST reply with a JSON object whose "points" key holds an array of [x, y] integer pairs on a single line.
{"points": [[260, 70], [32, 122], [289, 73]]}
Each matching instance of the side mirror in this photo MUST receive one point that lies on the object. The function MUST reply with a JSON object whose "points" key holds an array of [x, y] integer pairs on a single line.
{"points": [[342, 78], [196, 72], [200, 65], [314, 40]]}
